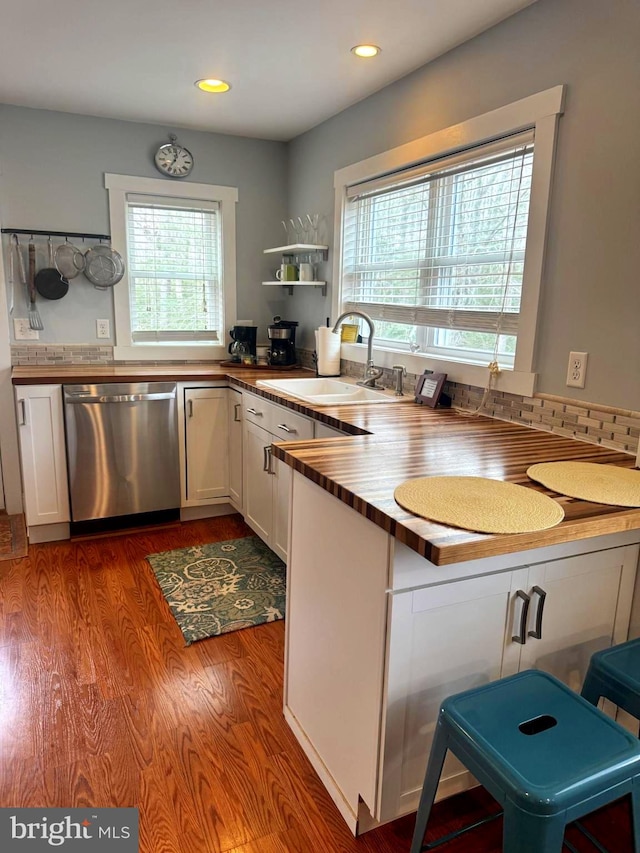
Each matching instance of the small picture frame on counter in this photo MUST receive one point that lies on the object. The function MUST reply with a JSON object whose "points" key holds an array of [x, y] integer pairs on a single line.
{"points": [[429, 390]]}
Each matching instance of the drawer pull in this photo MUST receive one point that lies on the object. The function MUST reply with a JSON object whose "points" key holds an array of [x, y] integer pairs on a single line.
{"points": [[23, 413], [236, 412], [537, 631], [521, 636], [269, 458], [190, 407], [254, 412], [285, 428], [265, 458]]}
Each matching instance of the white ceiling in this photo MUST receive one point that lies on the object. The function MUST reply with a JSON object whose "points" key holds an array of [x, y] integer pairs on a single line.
{"points": [[288, 61]]}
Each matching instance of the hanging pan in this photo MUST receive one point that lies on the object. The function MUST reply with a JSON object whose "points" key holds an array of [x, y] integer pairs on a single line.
{"points": [[49, 282], [104, 267]]}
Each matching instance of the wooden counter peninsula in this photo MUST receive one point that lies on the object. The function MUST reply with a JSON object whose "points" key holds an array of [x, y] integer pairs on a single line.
{"points": [[388, 613]]}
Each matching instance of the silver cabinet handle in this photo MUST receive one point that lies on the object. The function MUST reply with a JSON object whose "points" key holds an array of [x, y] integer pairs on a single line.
{"points": [[23, 412], [254, 412], [266, 449], [521, 636], [236, 412], [270, 456], [286, 428], [190, 407], [541, 593]]}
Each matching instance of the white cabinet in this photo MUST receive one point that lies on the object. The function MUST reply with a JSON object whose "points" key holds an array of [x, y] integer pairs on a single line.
{"points": [[206, 443], [43, 454], [267, 480], [364, 711], [258, 487], [235, 448], [455, 636], [325, 431]]}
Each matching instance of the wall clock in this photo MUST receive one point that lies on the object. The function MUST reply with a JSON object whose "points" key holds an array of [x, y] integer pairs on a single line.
{"points": [[173, 160]]}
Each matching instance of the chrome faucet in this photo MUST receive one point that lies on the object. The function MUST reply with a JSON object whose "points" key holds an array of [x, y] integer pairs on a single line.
{"points": [[371, 372]]}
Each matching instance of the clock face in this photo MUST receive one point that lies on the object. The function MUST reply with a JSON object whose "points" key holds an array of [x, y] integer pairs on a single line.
{"points": [[174, 160]]}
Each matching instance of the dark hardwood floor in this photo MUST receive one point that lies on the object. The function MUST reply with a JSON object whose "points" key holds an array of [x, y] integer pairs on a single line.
{"points": [[102, 704]]}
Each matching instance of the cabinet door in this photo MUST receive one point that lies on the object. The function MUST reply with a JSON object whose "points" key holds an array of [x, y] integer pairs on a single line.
{"points": [[235, 447], [43, 454], [281, 497], [258, 482], [444, 639], [207, 436], [584, 610]]}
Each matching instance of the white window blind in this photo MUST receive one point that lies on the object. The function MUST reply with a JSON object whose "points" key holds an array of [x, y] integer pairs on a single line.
{"points": [[175, 269], [442, 244]]}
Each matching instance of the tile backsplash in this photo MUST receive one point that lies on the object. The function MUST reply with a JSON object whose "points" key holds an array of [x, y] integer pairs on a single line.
{"points": [[618, 429]]}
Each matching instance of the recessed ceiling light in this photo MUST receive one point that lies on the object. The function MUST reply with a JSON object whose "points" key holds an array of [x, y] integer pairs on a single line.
{"points": [[366, 50], [211, 85]]}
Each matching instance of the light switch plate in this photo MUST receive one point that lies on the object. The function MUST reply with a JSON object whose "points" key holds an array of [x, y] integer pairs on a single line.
{"points": [[22, 331]]}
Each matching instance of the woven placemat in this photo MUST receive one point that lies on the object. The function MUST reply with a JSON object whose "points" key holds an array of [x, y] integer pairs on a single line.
{"points": [[590, 481], [479, 504]]}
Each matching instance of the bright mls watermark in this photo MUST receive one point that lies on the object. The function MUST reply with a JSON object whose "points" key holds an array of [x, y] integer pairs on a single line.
{"points": [[74, 830]]}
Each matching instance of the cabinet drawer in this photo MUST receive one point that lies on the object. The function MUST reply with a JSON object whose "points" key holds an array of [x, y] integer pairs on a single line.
{"points": [[281, 422], [289, 426], [256, 410]]}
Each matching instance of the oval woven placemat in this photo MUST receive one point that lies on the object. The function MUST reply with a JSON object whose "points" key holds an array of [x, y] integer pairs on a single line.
{"points": [[590, 481], [479, 504]]}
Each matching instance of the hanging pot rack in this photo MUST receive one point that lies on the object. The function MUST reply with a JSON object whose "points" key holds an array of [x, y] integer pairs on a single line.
{"points": [[78, 234]]}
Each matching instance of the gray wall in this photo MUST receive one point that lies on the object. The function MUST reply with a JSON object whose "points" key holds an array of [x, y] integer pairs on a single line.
{"points": [[52, 176], [591, 299]]}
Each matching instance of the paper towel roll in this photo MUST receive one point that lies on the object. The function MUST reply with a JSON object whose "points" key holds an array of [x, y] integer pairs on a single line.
{"points": [[328, 350]]}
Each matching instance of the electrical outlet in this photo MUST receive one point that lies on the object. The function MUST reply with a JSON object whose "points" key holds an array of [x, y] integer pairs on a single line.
{"points": [[577, 370], [102, 329], [23, 331]]}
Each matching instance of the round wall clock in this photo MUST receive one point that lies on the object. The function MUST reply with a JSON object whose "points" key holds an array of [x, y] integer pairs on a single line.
{"points": [[173, 160]]}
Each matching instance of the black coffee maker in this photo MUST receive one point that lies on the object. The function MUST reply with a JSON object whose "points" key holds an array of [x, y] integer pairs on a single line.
{"points": [[282, 342], [242, 335]]}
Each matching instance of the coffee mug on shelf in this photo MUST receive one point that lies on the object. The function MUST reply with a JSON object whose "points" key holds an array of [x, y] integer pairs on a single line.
{"points": [[307, 272], [287, 272]]}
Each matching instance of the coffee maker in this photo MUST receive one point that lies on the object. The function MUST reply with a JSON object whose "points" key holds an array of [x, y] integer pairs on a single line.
{"points": [[243, 340], [282, 342]]}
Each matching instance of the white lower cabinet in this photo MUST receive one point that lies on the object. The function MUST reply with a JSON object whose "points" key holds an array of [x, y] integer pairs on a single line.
{"points": [[235, 448], [258, 482], [206, 443], [445, 629], [267, 481], [43, 454]]}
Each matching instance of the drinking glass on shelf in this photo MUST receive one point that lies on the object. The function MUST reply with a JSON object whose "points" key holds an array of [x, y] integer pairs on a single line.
{"points": [[313, 220], [296, 236]]}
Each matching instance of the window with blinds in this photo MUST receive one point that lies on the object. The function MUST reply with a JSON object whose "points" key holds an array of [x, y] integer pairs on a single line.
{"points": [[435, 253], [175, 270]]}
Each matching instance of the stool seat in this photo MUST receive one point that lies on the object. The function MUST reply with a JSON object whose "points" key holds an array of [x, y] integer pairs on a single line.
{"points": [[543, 752], [615, 674]]}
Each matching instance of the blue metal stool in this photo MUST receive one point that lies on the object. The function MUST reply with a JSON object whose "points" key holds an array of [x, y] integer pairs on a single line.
{"points": [[544, 753], [615, 674]]}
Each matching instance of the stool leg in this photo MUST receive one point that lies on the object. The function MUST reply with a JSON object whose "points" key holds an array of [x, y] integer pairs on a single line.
{"points": [[592, 687], [526, 833], [635, 813], [430, 786]]}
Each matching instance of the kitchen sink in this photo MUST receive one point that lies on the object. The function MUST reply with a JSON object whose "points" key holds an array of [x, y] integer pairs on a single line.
{"points": [[322, 391]]}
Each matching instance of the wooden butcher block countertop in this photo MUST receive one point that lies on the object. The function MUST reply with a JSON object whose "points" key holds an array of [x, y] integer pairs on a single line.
{"points": [[393, 442]]}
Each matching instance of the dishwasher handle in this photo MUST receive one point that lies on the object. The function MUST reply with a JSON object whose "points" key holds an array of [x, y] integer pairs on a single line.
{"points": [[119, 398]]}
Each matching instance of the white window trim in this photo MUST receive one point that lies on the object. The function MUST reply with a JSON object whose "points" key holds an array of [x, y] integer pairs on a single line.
{"points": [[121, 185], [540, 111]]}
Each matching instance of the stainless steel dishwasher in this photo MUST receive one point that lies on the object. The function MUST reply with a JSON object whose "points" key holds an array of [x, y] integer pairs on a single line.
{"points": [[122, 449]]}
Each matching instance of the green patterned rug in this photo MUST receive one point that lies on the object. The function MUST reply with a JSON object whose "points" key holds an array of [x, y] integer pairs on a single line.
{"points": [[226, 586]]}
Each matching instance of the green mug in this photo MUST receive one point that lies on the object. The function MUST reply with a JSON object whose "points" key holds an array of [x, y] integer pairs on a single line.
{"points": [[287, 272]]}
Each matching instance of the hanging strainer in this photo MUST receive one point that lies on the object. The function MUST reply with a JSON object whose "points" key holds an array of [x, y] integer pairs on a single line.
{"points": [[69, 260], [104, 267]]}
